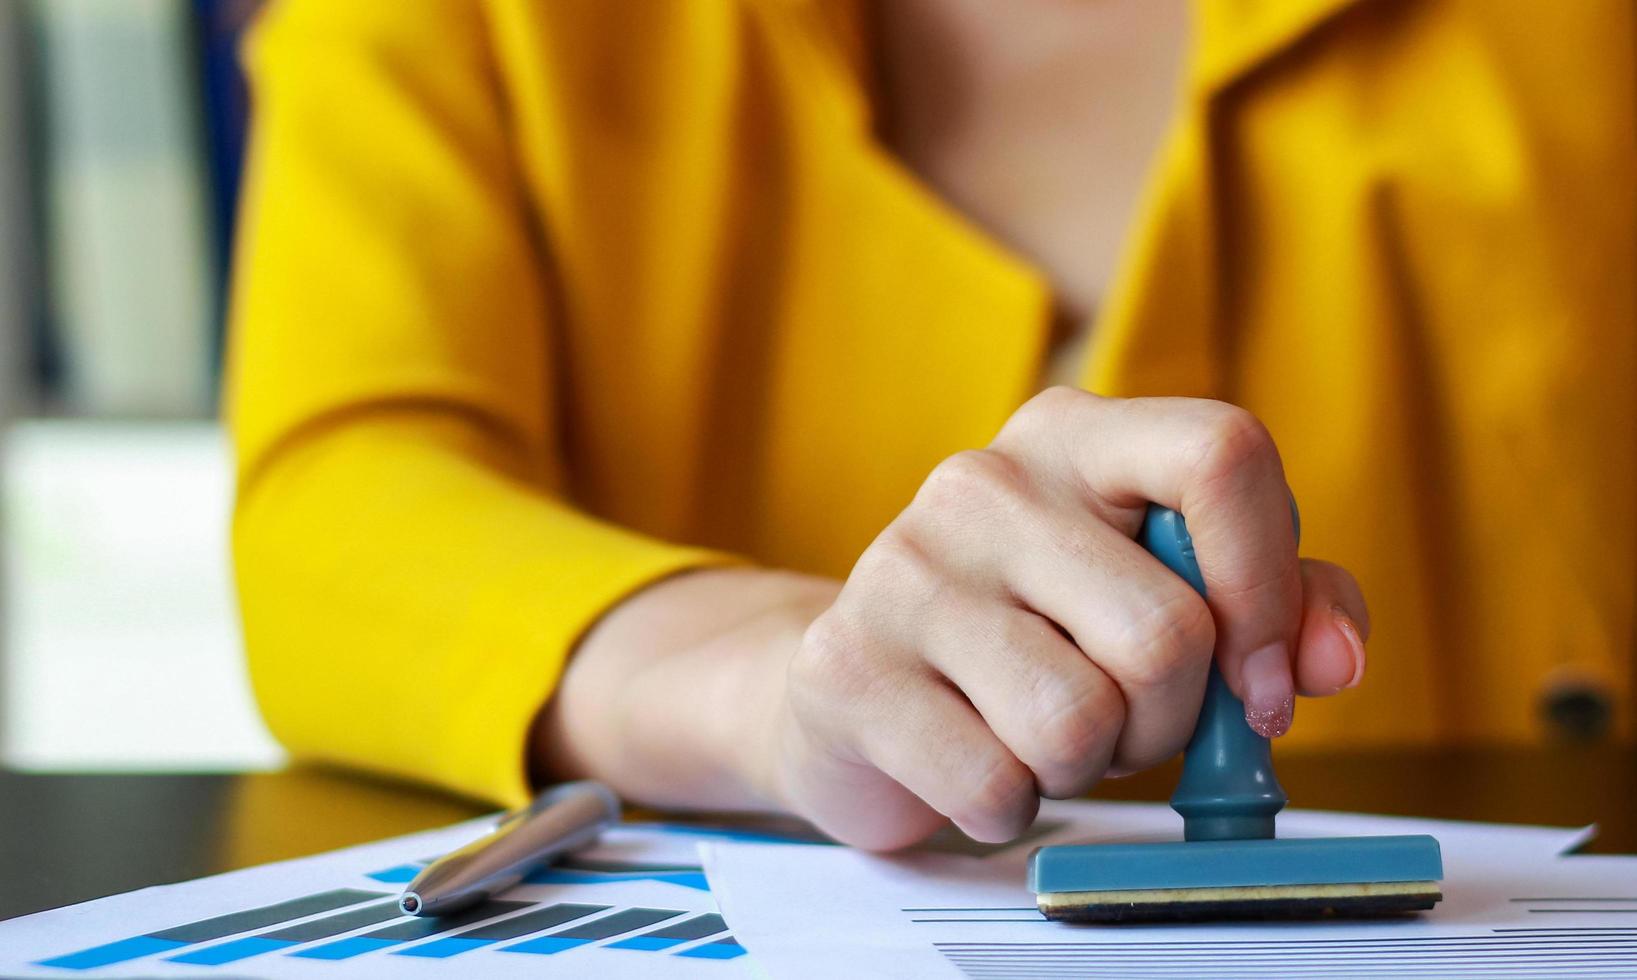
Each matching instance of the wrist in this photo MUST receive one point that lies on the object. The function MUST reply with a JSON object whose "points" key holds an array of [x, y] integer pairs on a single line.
{"points": [[673, 697], [756, 742]]}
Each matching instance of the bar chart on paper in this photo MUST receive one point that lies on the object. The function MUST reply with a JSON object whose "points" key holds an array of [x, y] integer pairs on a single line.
{"points": [[637, 905], [1514, 907]]}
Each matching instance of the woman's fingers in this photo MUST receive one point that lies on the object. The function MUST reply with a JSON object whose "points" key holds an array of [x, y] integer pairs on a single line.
{"points": [[1335, 624], [1051, 706], [847, 797], [1007, 531], [864, 697], [935, 745], [1005, 637], [1145, 628], [1217, 465]]}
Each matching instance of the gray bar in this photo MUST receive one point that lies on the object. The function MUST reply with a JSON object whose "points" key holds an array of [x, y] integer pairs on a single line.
{"points": [[267, 915], [529, 922], [421, 928], [697, 927], [335, 925], [618, 923]]}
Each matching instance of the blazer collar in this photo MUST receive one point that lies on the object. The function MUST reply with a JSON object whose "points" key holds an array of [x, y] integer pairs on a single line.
{"points": [[1232, 38]]}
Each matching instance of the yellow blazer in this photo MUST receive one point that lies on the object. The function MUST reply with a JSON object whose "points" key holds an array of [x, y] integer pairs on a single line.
{"points": [[537, 302]]}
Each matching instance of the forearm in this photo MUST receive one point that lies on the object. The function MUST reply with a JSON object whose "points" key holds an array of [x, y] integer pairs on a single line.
{"points": [[393, 572], [673, 696]]}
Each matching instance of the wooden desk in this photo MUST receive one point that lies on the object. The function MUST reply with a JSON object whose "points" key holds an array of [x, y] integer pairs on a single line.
{"points": [[70, 838]]}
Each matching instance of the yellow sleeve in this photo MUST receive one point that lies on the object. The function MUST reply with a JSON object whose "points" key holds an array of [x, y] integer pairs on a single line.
{"points": [[410, 577]]}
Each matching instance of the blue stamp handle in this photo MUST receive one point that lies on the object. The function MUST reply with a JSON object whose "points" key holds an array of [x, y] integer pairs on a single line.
{"points": [[1228, 790]]}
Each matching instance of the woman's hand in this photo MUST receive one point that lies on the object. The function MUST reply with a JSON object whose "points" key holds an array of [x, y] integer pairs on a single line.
{"points": [[1003, 639]]}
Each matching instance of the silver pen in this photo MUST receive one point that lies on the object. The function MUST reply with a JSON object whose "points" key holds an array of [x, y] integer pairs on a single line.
{"points": [[561, 819]]}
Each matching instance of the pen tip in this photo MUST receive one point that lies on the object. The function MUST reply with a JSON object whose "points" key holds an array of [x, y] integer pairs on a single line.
{"points": [[410, 903]]}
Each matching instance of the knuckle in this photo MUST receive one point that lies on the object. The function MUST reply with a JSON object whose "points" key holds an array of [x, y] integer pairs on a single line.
{"points": [[846, 673], [1001, 796], [1081, 544], [815, 653], [1170, 639], [1058, 400], [974, 477], [1278, 583], [897, 564], [1163, 737], [1020, 632], [1232, 441], [1048, 410], [1075, 738], [832, 661], [1162, 748]]}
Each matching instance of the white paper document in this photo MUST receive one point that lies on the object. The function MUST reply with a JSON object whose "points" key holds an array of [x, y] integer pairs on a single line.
{"points": [[636, 905], [1512, 908], [639, 904]]}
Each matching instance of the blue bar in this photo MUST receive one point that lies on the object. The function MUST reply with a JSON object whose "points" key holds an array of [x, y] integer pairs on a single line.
{"points": [[126, 949], [730, 833], [403, 874], [565, 876], [206, 930], [238, 949], [345, 949], [649, 943], [408, 931], [444, 948], [546, 945], [726, 948]]}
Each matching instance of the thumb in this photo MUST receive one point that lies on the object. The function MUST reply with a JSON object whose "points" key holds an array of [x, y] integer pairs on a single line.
{"points": [[1247, 554]]}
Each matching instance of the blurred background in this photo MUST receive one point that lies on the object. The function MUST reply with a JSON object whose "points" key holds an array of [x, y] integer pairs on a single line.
{"points": [[121, 132]]}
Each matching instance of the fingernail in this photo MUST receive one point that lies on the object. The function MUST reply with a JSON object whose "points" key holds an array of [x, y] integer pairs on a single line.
{"points": [[1270, 697], [1349, 629]]}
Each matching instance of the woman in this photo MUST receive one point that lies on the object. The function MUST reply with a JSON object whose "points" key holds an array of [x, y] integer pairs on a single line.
{"points": [[649, 390]]}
